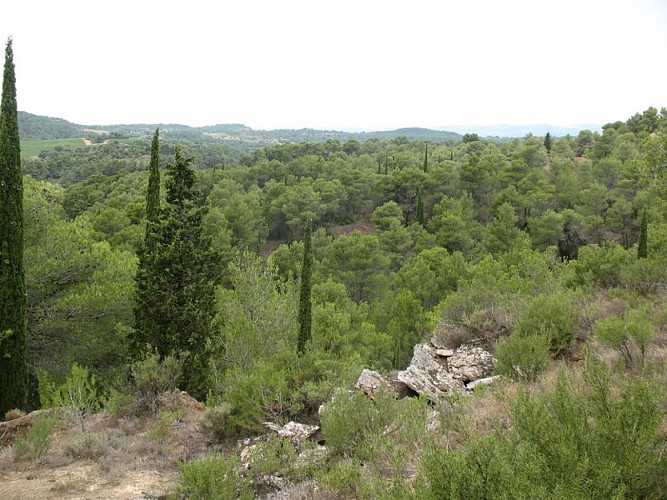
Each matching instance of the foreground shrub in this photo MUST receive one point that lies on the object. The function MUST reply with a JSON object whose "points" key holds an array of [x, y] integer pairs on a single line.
{"points": [[213, 422], [590, 437], [36, 441], [214, 477], [629, 335], [352, 418], [551, 316], [78, 396], [149, 380], [522, 357]]}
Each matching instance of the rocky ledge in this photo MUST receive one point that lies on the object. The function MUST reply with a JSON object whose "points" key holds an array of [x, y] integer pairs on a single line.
{"points": [[434, 372]]}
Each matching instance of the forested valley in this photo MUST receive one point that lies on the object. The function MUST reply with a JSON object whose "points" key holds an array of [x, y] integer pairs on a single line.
{"points": [[550, 252]]}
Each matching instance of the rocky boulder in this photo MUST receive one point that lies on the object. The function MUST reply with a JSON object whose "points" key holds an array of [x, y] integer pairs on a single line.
{"points": [[427, 374], [435, 370], [470, 363], [371, 382]]}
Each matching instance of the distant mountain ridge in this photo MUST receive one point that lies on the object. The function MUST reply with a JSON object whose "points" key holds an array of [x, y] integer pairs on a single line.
{"points": [[505, 130], [43, 127]]}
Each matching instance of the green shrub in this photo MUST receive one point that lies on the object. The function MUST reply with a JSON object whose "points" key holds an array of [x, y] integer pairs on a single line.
{"points": [[256, 395], [149, 379], [344, 479], [645, 276], [522, 357], [213, 422], [595, 436], [78, 396], [629, 335], [276, 456], [350, 419], [214, 477], [599, 266], [36, 441], [551, 316], [165, 420]]}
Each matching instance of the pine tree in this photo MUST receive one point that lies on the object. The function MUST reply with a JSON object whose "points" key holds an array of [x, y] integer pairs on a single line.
{"points": [[420, 209], [13, 365], [305, 303], [176, 280], [642, 246]]}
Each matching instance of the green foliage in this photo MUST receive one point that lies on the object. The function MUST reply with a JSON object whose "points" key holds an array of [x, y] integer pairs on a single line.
{"points": [[629, 335], [149, 379], [642, 245], [176, 279], [553, 316], [352, 418], [13, 350], [599, 266], [78, 397], [36, 440], [255, 396], [214, 477], [161, 426], [522, 357], [357, 261], [213, 421], [153, 190], [305, 317], [597, 441]]}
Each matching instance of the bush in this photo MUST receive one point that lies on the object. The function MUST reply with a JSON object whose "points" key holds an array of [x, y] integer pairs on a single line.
{"points": [[522, 357], [165, 420], [14, 414], [149, 379], [212, 478], [36, 441], [352, 418], [256, 395], [78, 396], [593, 438], [550, 316], [213, 422], [629, 335]]}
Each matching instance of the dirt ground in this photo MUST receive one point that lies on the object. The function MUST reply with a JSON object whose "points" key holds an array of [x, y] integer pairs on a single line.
{"points": [[110, 459]]}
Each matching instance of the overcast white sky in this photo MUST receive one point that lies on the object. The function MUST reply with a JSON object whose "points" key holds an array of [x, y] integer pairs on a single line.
{"points": [[339, 64]]}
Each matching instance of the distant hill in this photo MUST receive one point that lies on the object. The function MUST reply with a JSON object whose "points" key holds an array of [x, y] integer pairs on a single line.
{"points": [[44, 127], [242, 137], [504, 130]]}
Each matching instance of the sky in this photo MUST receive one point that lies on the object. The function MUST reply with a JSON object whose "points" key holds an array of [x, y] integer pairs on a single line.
{"points": [[344, 64]]}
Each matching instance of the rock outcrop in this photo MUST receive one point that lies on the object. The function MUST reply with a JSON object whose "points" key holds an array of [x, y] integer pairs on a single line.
{"points": [[12, 429], [435, 371]]}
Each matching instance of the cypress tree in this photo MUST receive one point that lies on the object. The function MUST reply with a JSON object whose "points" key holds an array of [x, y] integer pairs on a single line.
{"points": [[13, 367], [642, 246], [176, 280], [548, 142], [426, 159], [420, 209], [305, 303], [153, 191]]}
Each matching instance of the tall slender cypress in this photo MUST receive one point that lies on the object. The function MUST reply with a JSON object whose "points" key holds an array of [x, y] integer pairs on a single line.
{"points": [[305, 303], [153, 191], [420, 209], [426, 159], [642, 245], [13, 365]]}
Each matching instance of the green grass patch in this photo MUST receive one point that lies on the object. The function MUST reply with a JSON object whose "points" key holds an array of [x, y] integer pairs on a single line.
{"points": [[34, 147]]}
